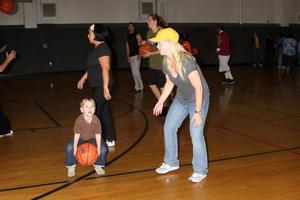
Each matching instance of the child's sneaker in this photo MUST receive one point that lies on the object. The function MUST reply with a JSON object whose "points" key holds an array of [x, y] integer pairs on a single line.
{"points": [[165, 168], [110, 143], [99, 170], [196, 177], [71, 170]]}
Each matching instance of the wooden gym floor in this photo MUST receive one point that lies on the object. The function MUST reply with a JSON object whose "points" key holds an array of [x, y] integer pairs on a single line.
{"points": [[252, 135]]}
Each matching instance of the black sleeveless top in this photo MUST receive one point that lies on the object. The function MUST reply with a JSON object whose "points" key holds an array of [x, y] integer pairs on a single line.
{"points": [[133, 44]]}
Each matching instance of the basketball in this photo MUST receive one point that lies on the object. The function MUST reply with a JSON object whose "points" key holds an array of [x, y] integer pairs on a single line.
{"points": [[145, 47], [7, 6], [86, 154]]}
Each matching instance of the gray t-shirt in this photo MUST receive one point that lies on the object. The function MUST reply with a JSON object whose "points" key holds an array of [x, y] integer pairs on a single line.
{"points": [[185, 91]]}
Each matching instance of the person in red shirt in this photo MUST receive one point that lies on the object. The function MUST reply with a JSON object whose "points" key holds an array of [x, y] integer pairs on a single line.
{"points": [[224, 52]]}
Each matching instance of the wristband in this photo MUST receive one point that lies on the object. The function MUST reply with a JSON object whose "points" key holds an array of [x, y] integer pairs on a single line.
{"points": [[198, 112]]}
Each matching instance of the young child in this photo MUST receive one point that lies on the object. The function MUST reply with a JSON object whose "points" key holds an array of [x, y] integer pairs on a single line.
{"points": [[87, 128]]}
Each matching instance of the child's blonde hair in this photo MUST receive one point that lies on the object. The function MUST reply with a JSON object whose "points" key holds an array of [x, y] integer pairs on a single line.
{"points": [[87, 100]]}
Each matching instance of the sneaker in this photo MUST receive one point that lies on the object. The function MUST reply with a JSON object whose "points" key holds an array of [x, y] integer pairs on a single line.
{"points": [[230, 82], [71, 170], [99, 170], [165, 168], [7, 134], [110, 143], [225, 81], [196, 177]]}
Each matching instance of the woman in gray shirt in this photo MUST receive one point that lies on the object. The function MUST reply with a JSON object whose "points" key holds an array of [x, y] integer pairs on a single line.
{"points": [[192, 98]]}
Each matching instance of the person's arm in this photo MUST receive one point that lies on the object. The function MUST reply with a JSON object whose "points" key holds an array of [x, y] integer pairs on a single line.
{"points": [[127, 51], [218, 43], [104, 62], [76, 139], [196, 83], [139, 39], [9, 57], [169, 85], [81, 81], [98, 141], [148, 53]]}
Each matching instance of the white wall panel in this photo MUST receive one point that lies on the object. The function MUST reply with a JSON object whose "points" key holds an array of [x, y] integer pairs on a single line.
{"points": [[177, 11], [207, 11]]}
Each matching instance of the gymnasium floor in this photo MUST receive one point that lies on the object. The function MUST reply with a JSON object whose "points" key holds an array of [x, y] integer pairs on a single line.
{"points": [[252, 136]]}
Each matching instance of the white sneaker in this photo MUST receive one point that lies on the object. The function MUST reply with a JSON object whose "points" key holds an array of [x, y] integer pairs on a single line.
{"points": [[7, 134], [71, 170], [165, 168], [110, 143], [196, 177], [99, 170]]}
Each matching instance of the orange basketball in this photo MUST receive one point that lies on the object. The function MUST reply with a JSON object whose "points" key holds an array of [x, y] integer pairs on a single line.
{"points": [[7, 6], [145, 47], [86, 154]]}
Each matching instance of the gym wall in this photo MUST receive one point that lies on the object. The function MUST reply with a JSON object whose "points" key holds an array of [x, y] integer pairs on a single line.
{"points": [[52, 44]]}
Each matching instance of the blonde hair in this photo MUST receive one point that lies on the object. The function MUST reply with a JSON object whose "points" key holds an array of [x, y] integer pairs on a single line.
{"points": [[87, 100], [178, 54]]}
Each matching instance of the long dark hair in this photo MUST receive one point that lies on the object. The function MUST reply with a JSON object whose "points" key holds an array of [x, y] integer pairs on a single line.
{"points": [[160, 21]]}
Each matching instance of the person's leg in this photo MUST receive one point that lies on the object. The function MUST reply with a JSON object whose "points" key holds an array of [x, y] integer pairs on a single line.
{"points": [[70, 159], [138, 74], [103, 112], [152, 83], [101, 161], [135, 69], [200, 163], [177, 113], [5, 125], [254, 57], [260, 57]]}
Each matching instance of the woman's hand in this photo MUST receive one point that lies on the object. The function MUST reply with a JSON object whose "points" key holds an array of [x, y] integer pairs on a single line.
{"points": [[10, 56], [158, 108], [80, 83], [98, 151], [146, 54], [197, 119], [106, 94]]}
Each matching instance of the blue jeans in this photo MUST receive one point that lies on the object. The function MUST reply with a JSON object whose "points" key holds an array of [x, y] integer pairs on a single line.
{"points": [[70, 159], [177, 113]]}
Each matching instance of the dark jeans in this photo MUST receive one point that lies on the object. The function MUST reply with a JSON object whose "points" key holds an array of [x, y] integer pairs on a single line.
{"points": [[71, 159], [103, 112]]}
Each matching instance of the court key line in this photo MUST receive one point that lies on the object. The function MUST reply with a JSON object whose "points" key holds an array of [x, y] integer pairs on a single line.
{"points": [[108, 163], [149, 169]]}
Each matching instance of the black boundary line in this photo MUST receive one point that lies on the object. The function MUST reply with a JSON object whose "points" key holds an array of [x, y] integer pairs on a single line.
{"points": [[151, 169], [47, 113], [108, 163], [189, 164]]}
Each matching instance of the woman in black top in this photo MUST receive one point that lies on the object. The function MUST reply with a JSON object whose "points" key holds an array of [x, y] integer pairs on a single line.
{"points": [[99, 77]]}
